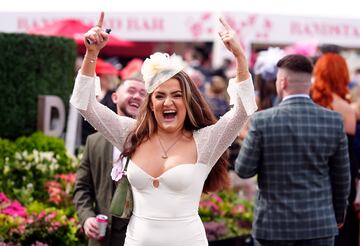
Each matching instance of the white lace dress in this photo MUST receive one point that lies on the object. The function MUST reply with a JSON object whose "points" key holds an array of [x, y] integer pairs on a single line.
{"points": [[168, 215]]}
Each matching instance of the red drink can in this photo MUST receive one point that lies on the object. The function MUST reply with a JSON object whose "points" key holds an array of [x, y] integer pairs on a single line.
{"points": [[102, 221]]}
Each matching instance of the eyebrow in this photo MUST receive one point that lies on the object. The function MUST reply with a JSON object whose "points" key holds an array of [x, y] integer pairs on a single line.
{"points": [[163, 93]]}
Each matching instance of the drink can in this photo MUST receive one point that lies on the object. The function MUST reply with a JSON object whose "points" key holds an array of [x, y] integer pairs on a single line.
{"points": [[102, 221]]}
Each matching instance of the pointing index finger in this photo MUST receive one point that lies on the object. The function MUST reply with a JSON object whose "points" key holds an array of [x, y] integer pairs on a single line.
{"points": [[101, 20], [225, 24]]}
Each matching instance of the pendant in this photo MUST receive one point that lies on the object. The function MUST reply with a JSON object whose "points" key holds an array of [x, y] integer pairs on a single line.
{"points": [[164, 156]]}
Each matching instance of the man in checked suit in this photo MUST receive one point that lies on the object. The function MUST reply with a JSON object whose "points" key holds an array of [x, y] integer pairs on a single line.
{"points": [[299, 152], [94, 187]]}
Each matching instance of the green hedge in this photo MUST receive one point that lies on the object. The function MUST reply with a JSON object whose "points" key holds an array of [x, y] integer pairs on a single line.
{"points": [[32, 66]]}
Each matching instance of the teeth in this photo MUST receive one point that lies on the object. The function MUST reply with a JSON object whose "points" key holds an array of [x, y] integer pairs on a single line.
{"points": [[134, 104], [169, 111]]}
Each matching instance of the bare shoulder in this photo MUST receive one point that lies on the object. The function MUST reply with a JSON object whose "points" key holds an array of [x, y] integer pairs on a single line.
{"points": [[356, 107], [347, 112], [343, 107]]}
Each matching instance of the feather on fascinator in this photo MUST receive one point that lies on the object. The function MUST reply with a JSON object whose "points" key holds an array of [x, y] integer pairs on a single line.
{"points": [[266, 61], [159, 68]]}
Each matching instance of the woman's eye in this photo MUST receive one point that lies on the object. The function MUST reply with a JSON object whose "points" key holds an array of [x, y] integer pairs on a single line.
{"points": [[159, 97], [178, 96]]}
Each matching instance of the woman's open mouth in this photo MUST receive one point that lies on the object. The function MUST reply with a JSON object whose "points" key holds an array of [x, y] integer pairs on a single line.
{"points": [[169, 115]]}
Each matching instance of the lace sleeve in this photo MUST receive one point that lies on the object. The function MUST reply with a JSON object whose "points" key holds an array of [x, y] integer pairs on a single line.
{"points": [[115, 128], [212, 141]]}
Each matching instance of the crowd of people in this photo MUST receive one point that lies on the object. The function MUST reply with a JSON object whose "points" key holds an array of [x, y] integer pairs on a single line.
{"points": [[175, 120]]}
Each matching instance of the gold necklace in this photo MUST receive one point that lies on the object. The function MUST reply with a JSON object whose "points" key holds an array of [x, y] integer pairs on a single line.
{"points": [[165, 156]]}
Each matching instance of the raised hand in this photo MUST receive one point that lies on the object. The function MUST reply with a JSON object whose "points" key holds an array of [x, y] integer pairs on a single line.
{"points": [[232, 43], [96, 38], [230, 40]]}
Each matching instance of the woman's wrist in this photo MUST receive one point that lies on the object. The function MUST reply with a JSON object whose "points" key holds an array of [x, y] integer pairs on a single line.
{"points": [[89, 63], [91, 56], [242, 69], [90, 59]]}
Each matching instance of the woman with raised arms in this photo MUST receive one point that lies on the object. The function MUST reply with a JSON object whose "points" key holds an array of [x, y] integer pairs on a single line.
{"points": [[175, 145]]}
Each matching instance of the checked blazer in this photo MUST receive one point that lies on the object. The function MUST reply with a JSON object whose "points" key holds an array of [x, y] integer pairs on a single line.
{"points": [[299, 152]]}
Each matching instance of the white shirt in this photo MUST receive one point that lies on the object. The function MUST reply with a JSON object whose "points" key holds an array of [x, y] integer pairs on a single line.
{"points": [[296, 95], [116, 157], [117, 170]]}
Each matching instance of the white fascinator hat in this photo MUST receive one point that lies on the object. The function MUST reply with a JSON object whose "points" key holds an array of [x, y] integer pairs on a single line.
{"points": [[266, 61], [159, 68]]}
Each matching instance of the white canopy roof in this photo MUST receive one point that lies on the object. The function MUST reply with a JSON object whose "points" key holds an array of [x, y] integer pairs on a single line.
{"points": [[314, 8]]}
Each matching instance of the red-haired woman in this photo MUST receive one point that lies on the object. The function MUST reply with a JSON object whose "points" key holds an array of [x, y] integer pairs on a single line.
{"points": [[329, 89]]}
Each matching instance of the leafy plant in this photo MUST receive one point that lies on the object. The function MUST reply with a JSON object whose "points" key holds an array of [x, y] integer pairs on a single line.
{"points": [[60, 190], [24, 177], [225, 215], [7, 150], [37, 222], [43, 143], [30, 162], [41, 212]]}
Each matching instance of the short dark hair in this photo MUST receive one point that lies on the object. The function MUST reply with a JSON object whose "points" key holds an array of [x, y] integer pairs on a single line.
{"points": [[330, 48], [218, 72], [135, 77], [296, 63]]}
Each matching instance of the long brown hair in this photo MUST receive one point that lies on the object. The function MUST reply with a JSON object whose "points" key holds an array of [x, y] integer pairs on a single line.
{"points": [[331, 75], [198, 116], [267, 91]]}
